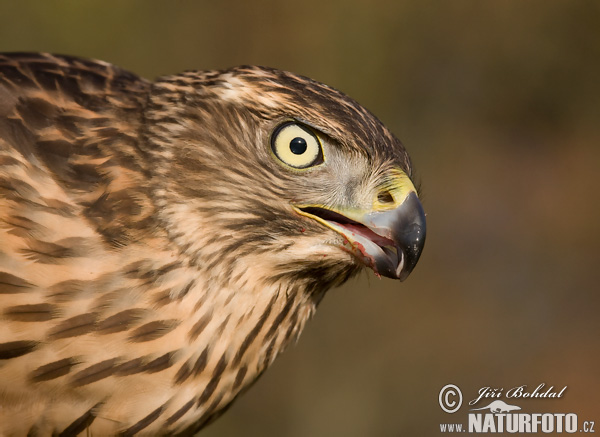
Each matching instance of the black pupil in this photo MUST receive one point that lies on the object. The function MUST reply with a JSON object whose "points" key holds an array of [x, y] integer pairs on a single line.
{"points": [[298, 146]]}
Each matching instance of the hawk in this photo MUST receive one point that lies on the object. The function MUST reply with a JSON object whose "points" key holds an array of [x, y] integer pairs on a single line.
{"points": [[162, 242]]}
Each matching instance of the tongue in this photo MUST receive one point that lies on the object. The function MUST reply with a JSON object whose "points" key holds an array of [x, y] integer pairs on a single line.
{"points": [[367, 233], [377, 252]]}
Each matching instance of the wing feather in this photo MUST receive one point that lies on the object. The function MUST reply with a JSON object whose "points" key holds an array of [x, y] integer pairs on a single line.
{"points": [[69, 135]]}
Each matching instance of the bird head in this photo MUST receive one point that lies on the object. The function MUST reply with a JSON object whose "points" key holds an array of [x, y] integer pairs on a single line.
{"points": [[264, 171]]}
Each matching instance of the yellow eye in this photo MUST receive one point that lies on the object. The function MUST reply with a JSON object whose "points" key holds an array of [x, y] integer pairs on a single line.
{"points": [[296, 146]]}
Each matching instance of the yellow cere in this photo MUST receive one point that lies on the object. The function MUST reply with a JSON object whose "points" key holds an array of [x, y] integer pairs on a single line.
{"points": [[398, 185]]}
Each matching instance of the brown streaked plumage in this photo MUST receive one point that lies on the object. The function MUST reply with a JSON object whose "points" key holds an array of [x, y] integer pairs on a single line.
{"points": [[162, 243]]}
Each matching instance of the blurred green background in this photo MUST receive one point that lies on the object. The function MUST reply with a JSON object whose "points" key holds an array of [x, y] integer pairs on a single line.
{"points": [[498, 103]]}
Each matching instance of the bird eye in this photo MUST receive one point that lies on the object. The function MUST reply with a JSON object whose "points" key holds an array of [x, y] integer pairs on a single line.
{"points": [[296, 146]]}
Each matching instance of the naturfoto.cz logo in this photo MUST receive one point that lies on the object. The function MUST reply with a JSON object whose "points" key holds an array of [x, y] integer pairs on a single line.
{"points": [[494, 415]]}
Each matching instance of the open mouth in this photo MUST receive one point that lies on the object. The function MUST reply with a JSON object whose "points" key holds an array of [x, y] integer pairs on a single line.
{"points": [[372, 249]]}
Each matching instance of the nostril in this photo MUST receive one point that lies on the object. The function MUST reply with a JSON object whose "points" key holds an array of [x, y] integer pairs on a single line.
{"points": [[385, 197]]}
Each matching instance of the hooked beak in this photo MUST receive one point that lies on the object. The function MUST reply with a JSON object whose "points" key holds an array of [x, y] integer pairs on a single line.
{"points": [[389, 240]]}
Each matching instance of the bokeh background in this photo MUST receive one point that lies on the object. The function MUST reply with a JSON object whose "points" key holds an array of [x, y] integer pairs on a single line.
{"points": [[498, 103]]}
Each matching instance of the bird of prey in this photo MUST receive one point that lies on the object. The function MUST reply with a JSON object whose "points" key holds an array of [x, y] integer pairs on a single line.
{"points": [[162, 242]]}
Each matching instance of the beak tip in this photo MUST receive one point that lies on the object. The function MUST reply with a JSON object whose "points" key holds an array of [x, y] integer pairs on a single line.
{"points": [[410, 235], [404, 268]]}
